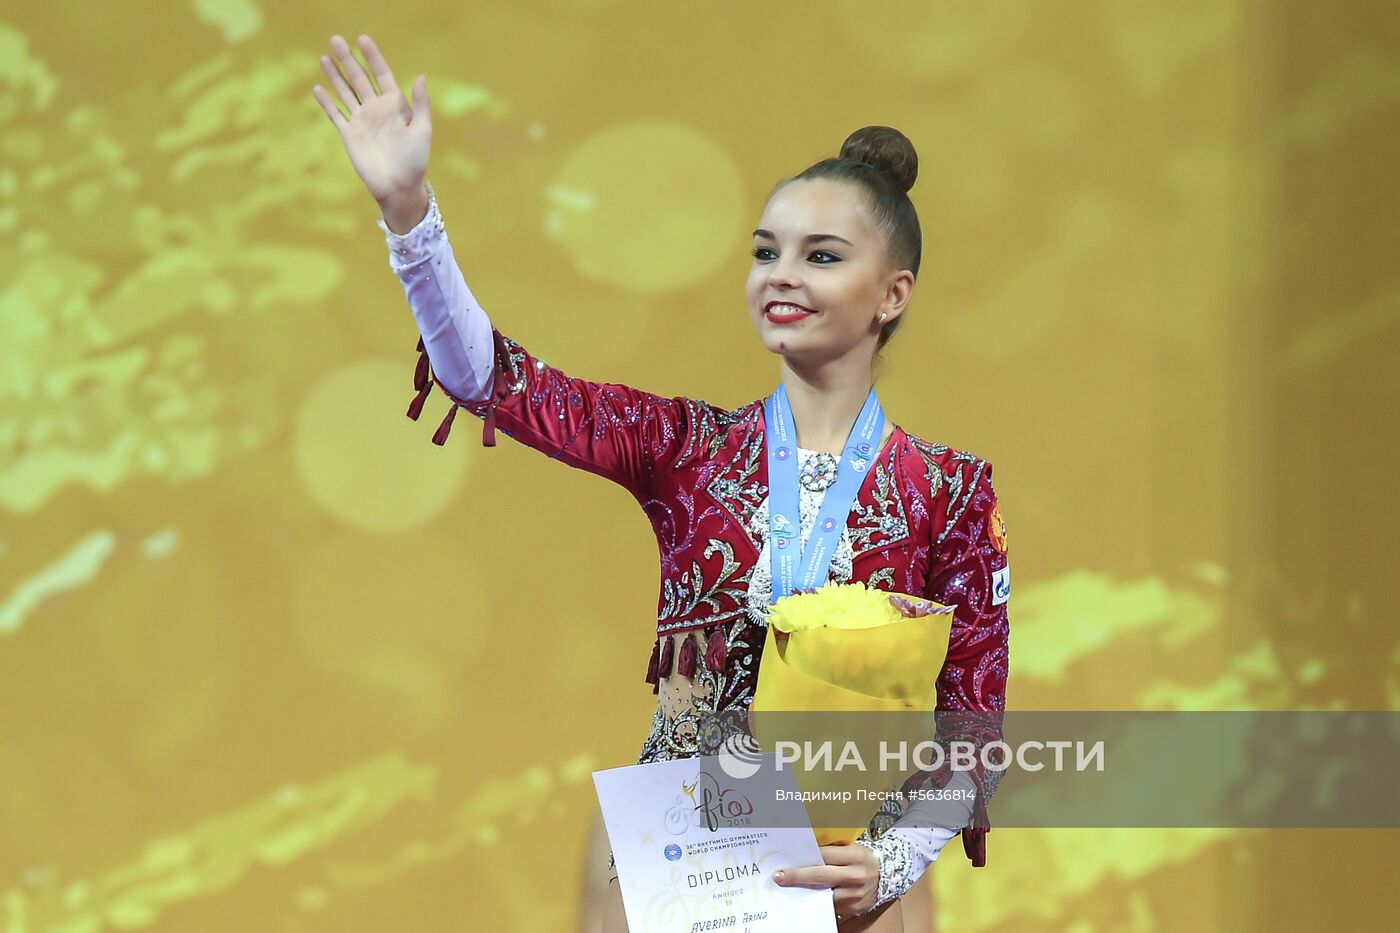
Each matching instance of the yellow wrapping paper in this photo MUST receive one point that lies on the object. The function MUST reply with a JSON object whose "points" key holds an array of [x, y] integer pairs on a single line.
{"points": [[848, 649]]}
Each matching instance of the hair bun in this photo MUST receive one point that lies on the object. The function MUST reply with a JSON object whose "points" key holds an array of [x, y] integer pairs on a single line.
{"points": [[887, 149]]}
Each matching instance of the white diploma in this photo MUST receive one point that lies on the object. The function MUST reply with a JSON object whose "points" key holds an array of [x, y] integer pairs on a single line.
{"points": [[695, 853]]}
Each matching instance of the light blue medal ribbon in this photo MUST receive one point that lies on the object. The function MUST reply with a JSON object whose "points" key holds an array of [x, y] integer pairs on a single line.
{"points": [[784, 516]]}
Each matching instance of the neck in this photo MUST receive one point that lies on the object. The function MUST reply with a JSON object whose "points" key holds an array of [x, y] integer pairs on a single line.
{"points": [[826, 398]]}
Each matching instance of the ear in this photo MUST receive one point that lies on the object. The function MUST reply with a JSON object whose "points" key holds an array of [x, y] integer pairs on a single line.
{"points": [[898, 290]]}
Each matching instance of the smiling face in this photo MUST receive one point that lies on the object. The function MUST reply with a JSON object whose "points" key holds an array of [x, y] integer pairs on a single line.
{"points": [[846, 280]]}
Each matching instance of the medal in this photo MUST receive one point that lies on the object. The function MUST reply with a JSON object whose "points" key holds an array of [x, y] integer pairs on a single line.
{"points": [[820, 472], [841, 480]]}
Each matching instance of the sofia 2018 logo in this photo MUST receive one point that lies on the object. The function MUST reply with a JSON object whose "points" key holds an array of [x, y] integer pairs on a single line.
{"points": [[709, 803]]}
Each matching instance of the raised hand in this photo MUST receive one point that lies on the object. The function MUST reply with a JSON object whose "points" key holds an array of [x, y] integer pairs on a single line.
{"points": [[386, 138]]}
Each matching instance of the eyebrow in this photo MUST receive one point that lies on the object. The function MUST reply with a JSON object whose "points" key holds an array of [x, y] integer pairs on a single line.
{"points": [[809, 238]]}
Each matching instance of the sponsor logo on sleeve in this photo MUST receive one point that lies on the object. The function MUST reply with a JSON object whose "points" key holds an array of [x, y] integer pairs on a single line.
{"points": [[1001, 585]]}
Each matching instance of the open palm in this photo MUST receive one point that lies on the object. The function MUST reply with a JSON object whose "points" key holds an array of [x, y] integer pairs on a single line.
{"points": [[386, 138]]}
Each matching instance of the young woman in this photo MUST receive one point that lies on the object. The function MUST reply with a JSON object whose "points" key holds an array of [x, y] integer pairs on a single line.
{"points": [[835, 258]]}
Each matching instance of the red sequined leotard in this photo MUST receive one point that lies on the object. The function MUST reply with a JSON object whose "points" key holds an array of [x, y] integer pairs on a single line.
{"points": [[925, 521]]}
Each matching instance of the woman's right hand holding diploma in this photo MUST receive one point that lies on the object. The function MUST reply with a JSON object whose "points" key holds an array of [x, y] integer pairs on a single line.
{"points": [[852, 873], [386, 138]]}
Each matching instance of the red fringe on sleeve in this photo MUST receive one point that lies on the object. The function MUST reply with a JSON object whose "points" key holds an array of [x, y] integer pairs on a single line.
{"points": [[423, 382]]}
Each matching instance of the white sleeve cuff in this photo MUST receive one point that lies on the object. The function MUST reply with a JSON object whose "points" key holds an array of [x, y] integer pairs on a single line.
{"points": [[913, 842]]}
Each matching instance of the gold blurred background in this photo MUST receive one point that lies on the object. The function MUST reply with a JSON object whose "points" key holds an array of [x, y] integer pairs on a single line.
{"points": [[270, 659]]}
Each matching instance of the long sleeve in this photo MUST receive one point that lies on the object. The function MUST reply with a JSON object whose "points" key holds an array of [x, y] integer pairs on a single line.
{"points": [[906, 850], [612, 430], [456, 330], [971, 572]]}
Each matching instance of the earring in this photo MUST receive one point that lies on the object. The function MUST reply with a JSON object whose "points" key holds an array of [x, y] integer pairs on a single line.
{"points": [[882, 317]]}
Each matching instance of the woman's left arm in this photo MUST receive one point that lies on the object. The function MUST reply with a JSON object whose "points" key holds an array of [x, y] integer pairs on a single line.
{"points": [[971, 573]]}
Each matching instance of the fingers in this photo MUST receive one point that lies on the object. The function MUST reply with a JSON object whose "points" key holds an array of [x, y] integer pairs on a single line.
{"points": [[815, 876], [342, 90], [903, 605], [380, 68], [843, 855], [420, 103], [337, 118], [914, 608], [843, 867], [354, 72]]}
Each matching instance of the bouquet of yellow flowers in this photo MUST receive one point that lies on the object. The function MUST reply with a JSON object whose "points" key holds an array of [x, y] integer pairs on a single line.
{"points": [[845, 647]]}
